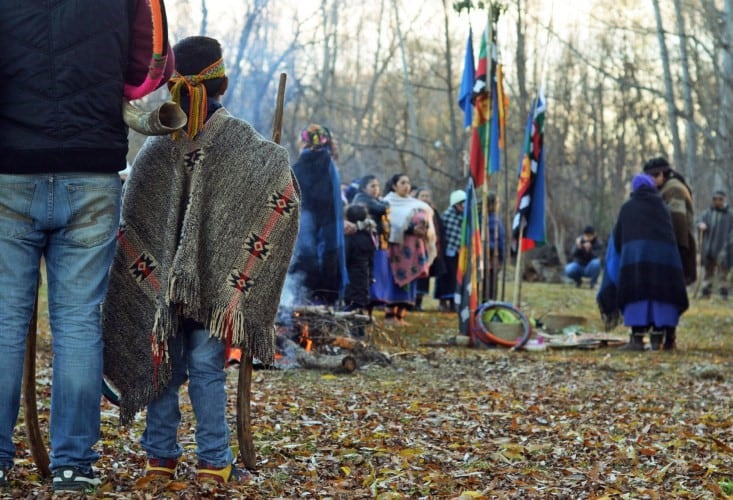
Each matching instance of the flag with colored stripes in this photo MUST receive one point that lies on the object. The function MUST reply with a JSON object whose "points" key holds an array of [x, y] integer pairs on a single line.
{"points": [[481, 101], [529, 212], [469, 257]]}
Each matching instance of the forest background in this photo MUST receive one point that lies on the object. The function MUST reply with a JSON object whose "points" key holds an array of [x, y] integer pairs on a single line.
{"points": [[624, 81]]}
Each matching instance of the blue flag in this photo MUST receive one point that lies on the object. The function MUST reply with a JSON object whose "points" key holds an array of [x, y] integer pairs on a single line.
{"points": [[494, 155], [467, 81]]}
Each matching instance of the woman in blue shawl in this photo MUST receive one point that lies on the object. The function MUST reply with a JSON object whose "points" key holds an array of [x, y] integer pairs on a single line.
{"points": [[318, 267], [643, 279]]}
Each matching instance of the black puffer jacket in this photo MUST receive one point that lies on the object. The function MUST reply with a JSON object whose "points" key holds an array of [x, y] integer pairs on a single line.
{"points": [[62, 71]]}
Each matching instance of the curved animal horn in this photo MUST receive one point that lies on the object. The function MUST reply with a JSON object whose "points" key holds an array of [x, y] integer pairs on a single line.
{"points": [[165, 119]]}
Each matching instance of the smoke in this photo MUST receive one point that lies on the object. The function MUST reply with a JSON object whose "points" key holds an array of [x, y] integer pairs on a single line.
{"points": [[293, 290]]}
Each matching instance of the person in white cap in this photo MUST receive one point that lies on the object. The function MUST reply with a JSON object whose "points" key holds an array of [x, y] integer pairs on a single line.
{"points": [[452, 221]]}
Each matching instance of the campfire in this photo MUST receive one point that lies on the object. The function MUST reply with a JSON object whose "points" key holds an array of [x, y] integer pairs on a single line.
{"points": [[318, 337]]}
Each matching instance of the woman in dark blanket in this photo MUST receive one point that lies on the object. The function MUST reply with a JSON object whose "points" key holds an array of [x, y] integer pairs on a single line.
{"points": [[317, 273], [643, 279], [368, 195]]}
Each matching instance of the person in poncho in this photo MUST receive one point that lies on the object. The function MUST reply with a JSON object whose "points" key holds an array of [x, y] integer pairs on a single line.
{"points": [[209, 220], [644, 279], [317, 273], [411, 247]]}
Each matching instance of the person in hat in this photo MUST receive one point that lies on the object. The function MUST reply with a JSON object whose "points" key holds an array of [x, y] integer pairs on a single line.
{"points": [[643, 280], [677, 194], [317, 273], [452, 222], [209, 221], [716, 228], [586, 258]]}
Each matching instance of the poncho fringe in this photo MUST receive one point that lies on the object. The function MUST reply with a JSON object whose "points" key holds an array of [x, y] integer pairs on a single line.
{"points": [[234, 206]]}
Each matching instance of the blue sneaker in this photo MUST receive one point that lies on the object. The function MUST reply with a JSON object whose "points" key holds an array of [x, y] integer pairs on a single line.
{"points": [[4, 476], [73, 479]]}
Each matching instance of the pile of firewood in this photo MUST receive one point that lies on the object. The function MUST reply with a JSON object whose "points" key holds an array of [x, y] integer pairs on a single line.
{"points": [[324, 339]]}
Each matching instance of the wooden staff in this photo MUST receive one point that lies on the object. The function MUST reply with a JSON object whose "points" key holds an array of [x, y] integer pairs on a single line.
{"points": [[35, 437], [701, 272], [244, 382]]}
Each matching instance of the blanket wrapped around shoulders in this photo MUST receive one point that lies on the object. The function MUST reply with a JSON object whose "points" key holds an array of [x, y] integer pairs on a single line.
{"points": [[410, 256], [642, 259], [207, 232]]}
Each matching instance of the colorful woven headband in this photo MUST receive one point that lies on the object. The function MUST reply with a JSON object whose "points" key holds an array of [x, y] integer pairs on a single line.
{"points": [[315, 137], [196, 95]]}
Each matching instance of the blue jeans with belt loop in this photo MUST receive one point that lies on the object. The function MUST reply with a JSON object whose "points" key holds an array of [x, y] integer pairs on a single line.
{"points": [[70, 220]]}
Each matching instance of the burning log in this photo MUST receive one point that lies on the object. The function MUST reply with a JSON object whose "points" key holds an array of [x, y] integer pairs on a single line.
{"points": [[336, 363]]}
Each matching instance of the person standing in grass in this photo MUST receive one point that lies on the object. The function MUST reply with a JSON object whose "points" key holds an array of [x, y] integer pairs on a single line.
{"points": [[716, 227], [644, 279], [65, 67], [411, 246], [452, 223], [209, 221]]}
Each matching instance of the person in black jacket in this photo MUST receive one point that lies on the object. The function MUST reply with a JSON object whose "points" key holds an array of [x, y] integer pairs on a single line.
{"points": [[360, 248], [65, 67], [586, 258]]}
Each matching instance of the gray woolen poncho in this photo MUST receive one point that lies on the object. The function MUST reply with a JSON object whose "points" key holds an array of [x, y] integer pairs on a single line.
{"points": [[207, 232]]}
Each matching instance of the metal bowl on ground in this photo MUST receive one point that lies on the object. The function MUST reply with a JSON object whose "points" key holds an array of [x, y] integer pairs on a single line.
{"points": [[556, 322]]}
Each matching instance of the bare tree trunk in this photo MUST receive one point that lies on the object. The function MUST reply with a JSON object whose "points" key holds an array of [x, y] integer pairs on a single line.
{"points": [[520, 55], [724, 150], [409, 93], [204, 18], [235, 71], [668, 86], [690, 135], [455, 167]]}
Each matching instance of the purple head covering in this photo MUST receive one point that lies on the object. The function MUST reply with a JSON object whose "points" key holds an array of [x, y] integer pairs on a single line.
{"points": [[642, 180]]}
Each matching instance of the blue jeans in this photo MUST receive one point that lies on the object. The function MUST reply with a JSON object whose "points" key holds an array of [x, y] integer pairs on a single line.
{"points": [[198, 357], [71, 221], [591, 270]]}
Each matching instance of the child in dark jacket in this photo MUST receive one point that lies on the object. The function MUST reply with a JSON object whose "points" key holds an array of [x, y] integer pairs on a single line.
{"points": [[360, 248]]}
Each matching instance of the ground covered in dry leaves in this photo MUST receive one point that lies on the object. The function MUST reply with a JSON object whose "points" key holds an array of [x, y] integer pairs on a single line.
{"points": [[449, 422]]}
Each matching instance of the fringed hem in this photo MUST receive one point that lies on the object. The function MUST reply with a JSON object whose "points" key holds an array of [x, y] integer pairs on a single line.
{"points": [[183, 291], [254, 338], [135, 399]]}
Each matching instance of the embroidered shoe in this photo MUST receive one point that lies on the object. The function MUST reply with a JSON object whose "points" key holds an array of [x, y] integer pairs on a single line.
{"points": [[226, 475], [163, 468], [4, 476], [73, 479]]}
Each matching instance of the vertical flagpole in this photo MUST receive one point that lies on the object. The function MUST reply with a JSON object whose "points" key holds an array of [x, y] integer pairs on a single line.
{"points": [[492, 55], [485, 187], [518, 269], [507, 222]]}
